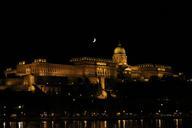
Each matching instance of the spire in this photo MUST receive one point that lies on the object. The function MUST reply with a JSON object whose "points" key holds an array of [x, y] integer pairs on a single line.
{"points": [[119, 44]]}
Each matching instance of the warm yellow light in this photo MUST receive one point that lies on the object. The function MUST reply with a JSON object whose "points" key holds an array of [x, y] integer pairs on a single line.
{"points": [[31, 88], [118, 113], [102, 64], [161, 69], [104, 93]]}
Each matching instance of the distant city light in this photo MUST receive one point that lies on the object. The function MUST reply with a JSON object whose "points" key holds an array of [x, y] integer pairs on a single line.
{"points": [[4, 124]]}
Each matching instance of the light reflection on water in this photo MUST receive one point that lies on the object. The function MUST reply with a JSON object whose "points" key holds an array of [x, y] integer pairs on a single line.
{"points": [[131, 123]]}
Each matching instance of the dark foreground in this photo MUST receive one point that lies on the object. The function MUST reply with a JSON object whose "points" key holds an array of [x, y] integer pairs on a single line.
{"points": [[28, 110], [151, 105]]}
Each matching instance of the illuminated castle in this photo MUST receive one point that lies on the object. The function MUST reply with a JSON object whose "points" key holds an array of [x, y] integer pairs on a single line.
{"points": [[95, 69]]}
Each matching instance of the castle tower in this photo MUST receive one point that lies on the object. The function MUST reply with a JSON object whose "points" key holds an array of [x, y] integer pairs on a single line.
{"points": [[119, 56]]}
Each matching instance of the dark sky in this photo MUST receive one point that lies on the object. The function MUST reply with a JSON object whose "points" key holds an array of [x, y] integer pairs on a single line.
{"points": [[153, 35]]}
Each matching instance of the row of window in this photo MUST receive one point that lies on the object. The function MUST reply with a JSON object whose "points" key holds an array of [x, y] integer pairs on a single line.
{"points": [[90, 59], [103, 72], [36, 70]]}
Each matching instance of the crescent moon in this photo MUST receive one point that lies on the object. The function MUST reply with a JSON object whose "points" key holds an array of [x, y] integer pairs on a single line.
{"points": [[94, 40]]}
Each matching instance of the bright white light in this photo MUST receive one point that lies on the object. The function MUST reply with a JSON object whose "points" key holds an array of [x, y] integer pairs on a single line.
{"points": [[105, 124], [85, 123], [4, 125], [20, 124]]}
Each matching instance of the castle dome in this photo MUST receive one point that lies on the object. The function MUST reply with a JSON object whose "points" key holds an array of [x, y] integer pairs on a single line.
{"points": [[119, 50]]}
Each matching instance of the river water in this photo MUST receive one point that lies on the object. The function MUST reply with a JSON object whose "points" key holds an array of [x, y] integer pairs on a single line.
{"points": [[131, 123]]}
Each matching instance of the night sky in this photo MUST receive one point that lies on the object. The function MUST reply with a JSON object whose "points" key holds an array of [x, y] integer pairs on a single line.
{"points": [[152, 35]]}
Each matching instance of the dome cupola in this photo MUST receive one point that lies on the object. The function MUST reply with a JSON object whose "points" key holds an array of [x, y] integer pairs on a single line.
{"points": [[119, 55], [119, 49]]}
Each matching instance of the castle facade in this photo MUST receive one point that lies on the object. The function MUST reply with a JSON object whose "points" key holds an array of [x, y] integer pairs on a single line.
{"points": [[95, 69]]}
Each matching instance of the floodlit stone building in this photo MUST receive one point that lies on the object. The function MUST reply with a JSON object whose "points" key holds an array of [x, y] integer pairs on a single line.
{"points": [[95, 69]]}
